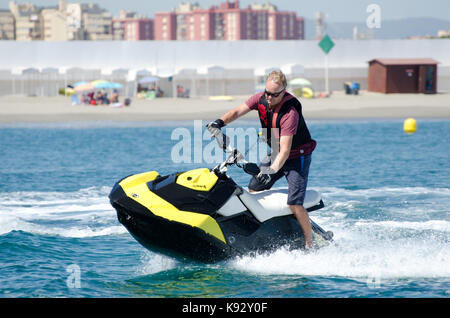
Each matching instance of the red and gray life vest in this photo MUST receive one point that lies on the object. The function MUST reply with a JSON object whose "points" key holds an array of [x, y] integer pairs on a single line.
{"points": [[302, 143]]}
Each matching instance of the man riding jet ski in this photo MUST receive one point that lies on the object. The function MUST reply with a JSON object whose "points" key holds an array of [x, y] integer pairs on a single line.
{"points": [[290, 142], [203, 215]]}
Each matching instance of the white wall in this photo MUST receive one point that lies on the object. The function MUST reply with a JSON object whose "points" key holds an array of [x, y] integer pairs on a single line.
{"points": [[195, 54], [347, 61]]}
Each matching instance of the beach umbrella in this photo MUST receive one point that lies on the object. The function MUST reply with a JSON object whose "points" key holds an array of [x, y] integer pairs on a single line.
{"points": [[108, 85], [102, 85], [83, 87], [116, 85], [98, 83], [148, 79], [79, 83], [299, 82]]}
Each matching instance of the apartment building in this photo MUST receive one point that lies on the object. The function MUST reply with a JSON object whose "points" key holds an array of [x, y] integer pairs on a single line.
{"points": [[67, 21], [228, 22], [7, 25], [132, 27], [74, 25], [96, 22], [166, 26], [54, 24], [28, 21], [87, 21], [187, 22]]}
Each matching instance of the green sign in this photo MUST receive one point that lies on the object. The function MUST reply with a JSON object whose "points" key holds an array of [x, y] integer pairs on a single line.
{"points": [[326, 44]]}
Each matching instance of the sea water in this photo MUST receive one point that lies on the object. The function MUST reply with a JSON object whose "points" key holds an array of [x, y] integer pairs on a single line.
{"points": [[386, 195]]}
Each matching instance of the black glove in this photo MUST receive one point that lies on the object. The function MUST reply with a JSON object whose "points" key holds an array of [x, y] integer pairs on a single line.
{"points": [[217, 124], [251, 168], [264, 176]]}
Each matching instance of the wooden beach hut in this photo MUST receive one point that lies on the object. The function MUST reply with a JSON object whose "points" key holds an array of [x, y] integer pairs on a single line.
{"points": [[403, 75]]}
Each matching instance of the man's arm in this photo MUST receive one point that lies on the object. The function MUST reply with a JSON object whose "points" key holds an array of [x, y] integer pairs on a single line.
{"points": [[235, 113], [289, 124], [285, 149]]}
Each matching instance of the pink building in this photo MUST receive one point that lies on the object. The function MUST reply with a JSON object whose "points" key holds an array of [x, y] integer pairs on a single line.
{"points": [[130, 27], [228, 22], [285, 25], [165, 26]]}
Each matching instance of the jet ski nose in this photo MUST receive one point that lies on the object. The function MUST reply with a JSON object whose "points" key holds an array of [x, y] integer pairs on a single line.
{"points": [[123, 216]]}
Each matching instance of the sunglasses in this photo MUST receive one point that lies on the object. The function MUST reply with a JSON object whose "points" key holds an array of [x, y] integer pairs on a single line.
{"points": [[273, 94]]}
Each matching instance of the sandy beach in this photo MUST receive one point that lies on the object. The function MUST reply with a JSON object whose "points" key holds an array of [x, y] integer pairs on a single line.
{"points": [[22, 109]]}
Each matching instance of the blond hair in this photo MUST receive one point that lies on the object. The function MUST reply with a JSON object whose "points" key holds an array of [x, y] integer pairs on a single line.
{"points": [[278, 77]]}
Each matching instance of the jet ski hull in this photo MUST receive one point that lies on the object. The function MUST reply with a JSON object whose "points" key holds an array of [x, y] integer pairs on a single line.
{"points": [[167, 237]]}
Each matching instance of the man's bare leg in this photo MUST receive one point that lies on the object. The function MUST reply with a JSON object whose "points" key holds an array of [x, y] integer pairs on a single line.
{"points": [[303, 219]]}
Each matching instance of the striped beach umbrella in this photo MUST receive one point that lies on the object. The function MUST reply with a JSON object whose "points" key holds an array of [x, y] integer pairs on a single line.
{"points": [[83, 87]]}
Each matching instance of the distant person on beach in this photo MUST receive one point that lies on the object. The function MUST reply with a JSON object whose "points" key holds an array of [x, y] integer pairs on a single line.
{"points": [[126, 103], [180, 91], [280, 114], [159, 92], [106, 100], [115, 97], [99, 98], [90, 99]]}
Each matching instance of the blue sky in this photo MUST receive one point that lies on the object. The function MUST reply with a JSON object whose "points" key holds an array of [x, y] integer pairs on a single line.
{"points": [[336, 10]]}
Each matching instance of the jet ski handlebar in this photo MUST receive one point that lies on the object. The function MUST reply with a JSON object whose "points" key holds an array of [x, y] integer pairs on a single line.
{"points": [[234, 157]]}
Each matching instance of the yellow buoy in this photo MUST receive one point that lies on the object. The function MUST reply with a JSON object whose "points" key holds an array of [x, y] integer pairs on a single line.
{"points": [[410, 126]]}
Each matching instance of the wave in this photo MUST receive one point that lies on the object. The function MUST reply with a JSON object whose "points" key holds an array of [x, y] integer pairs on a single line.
{"points": [[78, 214], [384, 259], [385, 191], [380, 233], [373, 245], [434, 225], [151, 263]]}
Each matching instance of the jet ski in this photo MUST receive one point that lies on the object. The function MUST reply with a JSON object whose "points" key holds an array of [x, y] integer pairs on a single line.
{"points": [[203, 215]]}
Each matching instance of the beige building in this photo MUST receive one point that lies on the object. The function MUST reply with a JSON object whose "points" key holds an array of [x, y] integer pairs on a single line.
{"points": [[73, 20], [7, 25], [67, 21], [96, 22], [87, 21], [28, 21], [54, 25]]}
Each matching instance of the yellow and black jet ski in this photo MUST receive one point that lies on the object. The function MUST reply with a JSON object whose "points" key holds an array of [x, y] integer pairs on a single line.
{"points": [[203, 215]]}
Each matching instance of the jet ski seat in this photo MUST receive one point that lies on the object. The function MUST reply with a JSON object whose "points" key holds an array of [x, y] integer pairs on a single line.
{"points": [[267, 204], [274, 202]]}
